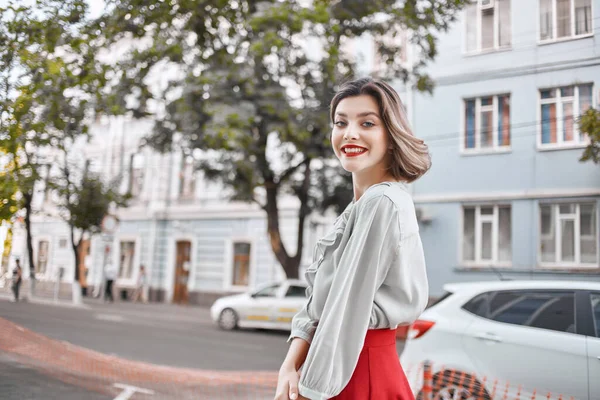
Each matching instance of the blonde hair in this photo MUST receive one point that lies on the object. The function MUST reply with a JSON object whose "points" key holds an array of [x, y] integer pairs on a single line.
{"points": [[410, 157]]}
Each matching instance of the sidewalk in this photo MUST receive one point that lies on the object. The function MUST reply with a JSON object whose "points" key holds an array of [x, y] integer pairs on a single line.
{"points": [[26, 298], [109, 374]]}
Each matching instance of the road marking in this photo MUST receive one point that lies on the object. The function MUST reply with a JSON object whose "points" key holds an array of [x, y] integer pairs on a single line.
{"points": [[129, 391], [109, 317]]}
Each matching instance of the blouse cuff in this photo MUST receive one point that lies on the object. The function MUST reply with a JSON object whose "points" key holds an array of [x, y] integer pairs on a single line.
{"points": [[312, 394], [307, 333]]}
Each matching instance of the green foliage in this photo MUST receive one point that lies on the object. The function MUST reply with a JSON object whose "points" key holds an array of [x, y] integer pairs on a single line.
{"points": [[50, 80], [87, 200], [250, 76], [589, 123]]}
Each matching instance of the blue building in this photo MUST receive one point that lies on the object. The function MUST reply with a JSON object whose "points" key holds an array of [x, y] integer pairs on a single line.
{"points": [[507, 194]]}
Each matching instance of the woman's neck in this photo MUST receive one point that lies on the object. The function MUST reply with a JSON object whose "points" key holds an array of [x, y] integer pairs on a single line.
{"points": [[361, 182]]}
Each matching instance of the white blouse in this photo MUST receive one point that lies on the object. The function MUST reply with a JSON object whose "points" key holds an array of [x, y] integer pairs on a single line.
{"points": [[367, 273]]}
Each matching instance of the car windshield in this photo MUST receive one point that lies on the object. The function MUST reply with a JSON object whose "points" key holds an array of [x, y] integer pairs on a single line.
{"points": [[269, 291]]}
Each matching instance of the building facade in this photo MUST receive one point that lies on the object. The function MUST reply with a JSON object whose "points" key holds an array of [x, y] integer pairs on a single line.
{"points": [[507, 195], [194, 244]]}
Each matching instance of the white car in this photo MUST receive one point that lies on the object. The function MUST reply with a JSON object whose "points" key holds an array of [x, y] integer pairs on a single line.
{"points": [[269, 307], [508, 340]]}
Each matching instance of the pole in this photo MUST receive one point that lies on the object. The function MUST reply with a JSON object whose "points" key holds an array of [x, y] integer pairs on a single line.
{"points": [[427, 381]]}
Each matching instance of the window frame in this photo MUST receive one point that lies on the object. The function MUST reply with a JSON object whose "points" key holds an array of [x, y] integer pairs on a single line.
{"points": [[495, 220], [495, 148], [49, 256], [560, 143], [131, 281], [576, 217], [478, 24], [188, 177], [554, 38], [230, 260]]}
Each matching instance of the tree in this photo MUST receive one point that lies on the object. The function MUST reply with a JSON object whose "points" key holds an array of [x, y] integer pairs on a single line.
{"points": [[85, 201], [48, 79], [589, 123], [9, 203], [250, 76]]}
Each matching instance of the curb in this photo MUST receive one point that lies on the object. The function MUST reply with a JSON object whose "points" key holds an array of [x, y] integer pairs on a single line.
{"points": [[47, 302]]}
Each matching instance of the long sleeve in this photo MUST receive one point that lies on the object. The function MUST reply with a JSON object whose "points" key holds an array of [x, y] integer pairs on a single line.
{"points": [[303, 326], [362, 266]]}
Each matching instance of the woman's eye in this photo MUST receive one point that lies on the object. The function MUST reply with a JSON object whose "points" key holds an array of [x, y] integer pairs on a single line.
{"points": [[339, 123], [368, 124]]}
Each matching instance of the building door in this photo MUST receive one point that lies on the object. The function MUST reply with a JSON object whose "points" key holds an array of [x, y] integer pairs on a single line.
{"points": [[42, 257], [82, 255], [182, 271]]}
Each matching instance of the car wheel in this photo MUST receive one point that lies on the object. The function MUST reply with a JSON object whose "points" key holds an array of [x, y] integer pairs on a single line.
{"points": [[456, 385], [228, 319]]}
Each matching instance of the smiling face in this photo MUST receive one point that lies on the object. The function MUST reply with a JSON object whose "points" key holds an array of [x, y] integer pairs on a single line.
{"points": [[359, 138]]}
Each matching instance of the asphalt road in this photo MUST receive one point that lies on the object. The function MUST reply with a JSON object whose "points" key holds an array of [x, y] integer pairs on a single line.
{"points": [[19, 382], [154, 333]]}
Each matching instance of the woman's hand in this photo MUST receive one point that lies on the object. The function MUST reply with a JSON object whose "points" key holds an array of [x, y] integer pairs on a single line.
{"points": [[287, 385]]}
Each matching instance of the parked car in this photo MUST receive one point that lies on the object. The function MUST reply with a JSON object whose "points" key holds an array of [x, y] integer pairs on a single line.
{"points": [[500, 339], [270, 307]]}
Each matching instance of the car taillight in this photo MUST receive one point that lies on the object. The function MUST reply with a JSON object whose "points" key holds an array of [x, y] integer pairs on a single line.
{"points": [[419, 328]]}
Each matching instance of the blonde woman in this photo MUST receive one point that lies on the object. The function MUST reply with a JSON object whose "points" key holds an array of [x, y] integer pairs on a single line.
{"points": [[368, 274]]}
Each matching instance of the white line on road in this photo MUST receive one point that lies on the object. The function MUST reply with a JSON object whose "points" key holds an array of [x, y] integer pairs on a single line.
{"points": [[129, 391], [109, 317]]}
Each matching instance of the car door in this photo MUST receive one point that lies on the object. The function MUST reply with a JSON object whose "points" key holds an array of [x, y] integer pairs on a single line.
{"points": [[259, 309], [526, 343], [593, 347], [292, 300]]}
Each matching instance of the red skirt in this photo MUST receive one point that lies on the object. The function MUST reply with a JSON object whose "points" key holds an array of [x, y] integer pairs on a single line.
{"points": [[378, 374]]}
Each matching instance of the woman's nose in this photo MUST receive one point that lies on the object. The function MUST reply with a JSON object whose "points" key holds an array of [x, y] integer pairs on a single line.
{"points": [[352, 132]]}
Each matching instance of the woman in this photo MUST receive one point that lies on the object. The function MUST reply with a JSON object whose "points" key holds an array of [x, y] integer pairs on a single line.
{"points": [[368, 274]]}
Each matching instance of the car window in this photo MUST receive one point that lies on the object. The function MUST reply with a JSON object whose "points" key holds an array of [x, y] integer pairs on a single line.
{"points": [[269, 291], [477, 305], [296, 291], [596, 310], [539, 309]]}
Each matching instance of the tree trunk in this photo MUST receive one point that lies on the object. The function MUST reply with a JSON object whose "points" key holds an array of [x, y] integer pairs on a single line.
{"points": [[27, 200], [302, 213], [289, 264], [76, 287]]}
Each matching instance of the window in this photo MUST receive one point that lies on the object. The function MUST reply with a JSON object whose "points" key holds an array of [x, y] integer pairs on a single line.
{"points": [[565, 18], [560, 108], [62, 243], [126, 257], [487, 235], [487, 122], [187, 178], [241, 264], [296, 291], [488, 25], [42, 257], [269, 291], [568, 234], [538, 309], [136, 175], [478, 305], [595, 297]]}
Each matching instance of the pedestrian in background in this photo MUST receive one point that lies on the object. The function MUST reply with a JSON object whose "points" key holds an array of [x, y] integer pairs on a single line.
{"points": [[368, 274], [17, 279], [141, 289], [110, 274]]}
